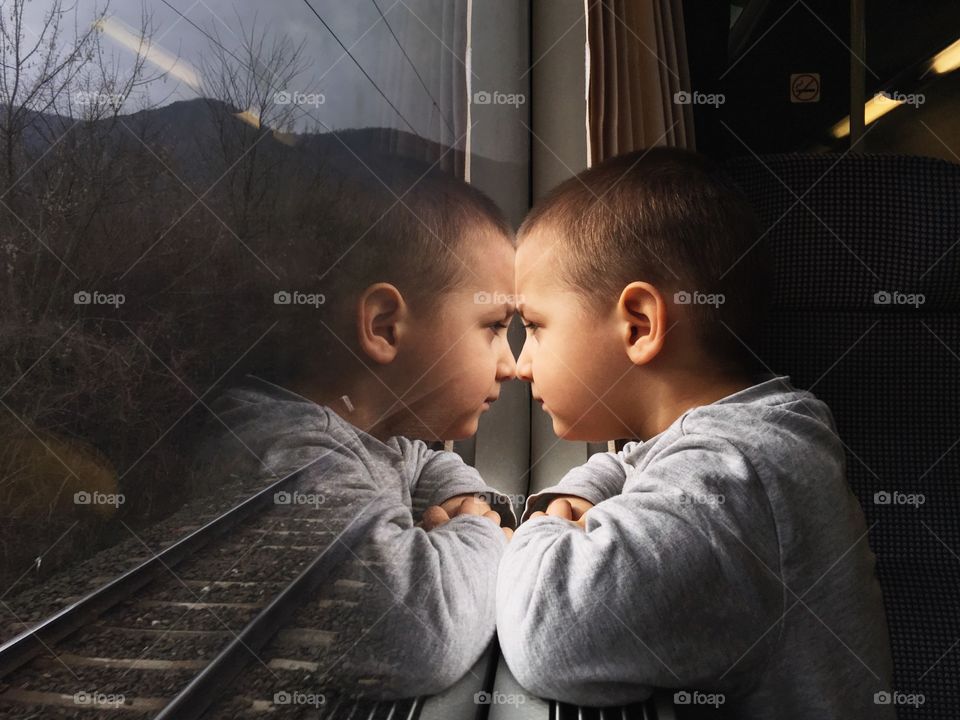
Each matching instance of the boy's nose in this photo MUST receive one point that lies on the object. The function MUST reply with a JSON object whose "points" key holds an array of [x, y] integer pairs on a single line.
{"points": [[506, 365], [524, 366]]}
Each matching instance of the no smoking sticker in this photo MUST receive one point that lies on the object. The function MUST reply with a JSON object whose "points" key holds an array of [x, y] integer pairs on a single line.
{"points": [[805, 87]]}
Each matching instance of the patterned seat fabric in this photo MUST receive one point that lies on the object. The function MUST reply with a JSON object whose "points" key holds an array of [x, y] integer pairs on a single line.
{"points": [[866, 314]]}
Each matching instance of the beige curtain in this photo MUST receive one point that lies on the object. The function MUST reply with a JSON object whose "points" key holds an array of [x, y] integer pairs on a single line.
{"points": [[638, 63]]}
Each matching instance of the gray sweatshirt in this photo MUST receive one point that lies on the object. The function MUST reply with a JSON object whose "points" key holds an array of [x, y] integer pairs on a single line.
{"points": [[726, 559], [425, 611]]}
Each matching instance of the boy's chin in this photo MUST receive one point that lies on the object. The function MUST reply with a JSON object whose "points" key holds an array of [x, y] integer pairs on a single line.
{"points": [[577, 432], [463, 430], [565, 432]]}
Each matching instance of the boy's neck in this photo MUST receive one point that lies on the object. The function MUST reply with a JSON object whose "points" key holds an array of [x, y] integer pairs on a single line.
{"points": [[353, 405], [668, 398]]}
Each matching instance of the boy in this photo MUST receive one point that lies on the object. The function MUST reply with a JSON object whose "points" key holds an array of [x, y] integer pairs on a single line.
{"points": [[722, 555], [397, 348]]}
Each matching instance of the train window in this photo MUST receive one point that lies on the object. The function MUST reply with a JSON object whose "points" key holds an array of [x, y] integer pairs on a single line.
{"points": [[195, 196], [448, 359]]}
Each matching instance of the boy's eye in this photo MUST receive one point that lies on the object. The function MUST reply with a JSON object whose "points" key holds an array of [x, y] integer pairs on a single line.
{"points": [[531, 326], [498, 326]]}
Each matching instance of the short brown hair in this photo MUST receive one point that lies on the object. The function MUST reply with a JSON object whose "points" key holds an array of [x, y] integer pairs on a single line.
{"points": [[395, 219], [672, 218], [364, 217]]}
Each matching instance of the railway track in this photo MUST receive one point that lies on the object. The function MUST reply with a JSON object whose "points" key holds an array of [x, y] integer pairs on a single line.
{"points": [[248, 616], [263, 584]]}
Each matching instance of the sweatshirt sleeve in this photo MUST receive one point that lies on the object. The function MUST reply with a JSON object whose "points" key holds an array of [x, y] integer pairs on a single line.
{"points": [[419, 608], [437, 593], [438, 475], [600, 478], [670, 584]]}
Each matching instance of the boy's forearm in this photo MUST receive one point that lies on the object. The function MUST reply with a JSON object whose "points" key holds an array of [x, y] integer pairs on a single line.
{"points": [[444, 475], [441, 586], [455, 566], [555, 639], [601, 478], [600, 615]]}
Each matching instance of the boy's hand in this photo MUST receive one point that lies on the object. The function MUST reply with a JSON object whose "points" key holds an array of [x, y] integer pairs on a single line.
{"points": [[452, 506], [436, 515], [568, 507]]}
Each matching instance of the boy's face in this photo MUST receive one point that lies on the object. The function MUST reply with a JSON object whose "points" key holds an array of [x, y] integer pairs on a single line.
{"points": [[461, 350], [572, 356]]}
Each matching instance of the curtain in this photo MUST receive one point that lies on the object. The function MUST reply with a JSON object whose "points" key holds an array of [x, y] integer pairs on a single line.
{"points": [[637, 59]]}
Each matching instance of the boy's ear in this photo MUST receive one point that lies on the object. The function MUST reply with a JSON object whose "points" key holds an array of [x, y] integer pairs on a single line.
{"points": [[381, 322], [642, 313]]}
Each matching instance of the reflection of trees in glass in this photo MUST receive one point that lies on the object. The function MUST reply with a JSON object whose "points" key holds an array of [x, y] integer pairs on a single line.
{"points": [[107, 247], [63, 171], [187, 212], [254, 83]]}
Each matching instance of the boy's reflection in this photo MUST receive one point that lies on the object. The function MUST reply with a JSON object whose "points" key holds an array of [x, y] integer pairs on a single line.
{"points": [[409, 345]]}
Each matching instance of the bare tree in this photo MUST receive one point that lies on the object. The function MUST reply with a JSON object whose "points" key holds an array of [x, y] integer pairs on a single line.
{"points": [[251, 77], [61, 96], [39, 69], [74, 185], [102, 202], [258, 82]]}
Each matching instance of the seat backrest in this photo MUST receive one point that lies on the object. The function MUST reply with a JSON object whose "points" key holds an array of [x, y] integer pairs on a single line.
{"points": [[866, 314]]}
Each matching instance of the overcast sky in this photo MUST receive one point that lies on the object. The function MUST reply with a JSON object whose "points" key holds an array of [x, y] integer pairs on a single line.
{"points": [[336, 92]]}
